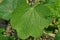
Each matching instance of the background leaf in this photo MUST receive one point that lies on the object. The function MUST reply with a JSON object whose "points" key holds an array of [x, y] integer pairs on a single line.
{"points": [[6, 38], [1, 31], [57, 37], [54, 6], [6, 8]]}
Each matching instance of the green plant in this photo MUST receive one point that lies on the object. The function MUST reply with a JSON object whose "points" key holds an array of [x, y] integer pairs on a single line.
{"points": [[30, 19]]}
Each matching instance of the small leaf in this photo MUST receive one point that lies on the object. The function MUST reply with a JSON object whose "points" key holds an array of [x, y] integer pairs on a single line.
{"points": [[6, 38], [1, 31], [57, 36]]}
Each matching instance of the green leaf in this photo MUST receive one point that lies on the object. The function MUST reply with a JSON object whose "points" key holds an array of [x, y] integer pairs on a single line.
{"points": [[59, 24], [57, 36], [6, 8], [1, 31], [6, 38], [54, 6], [30, 21]]}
